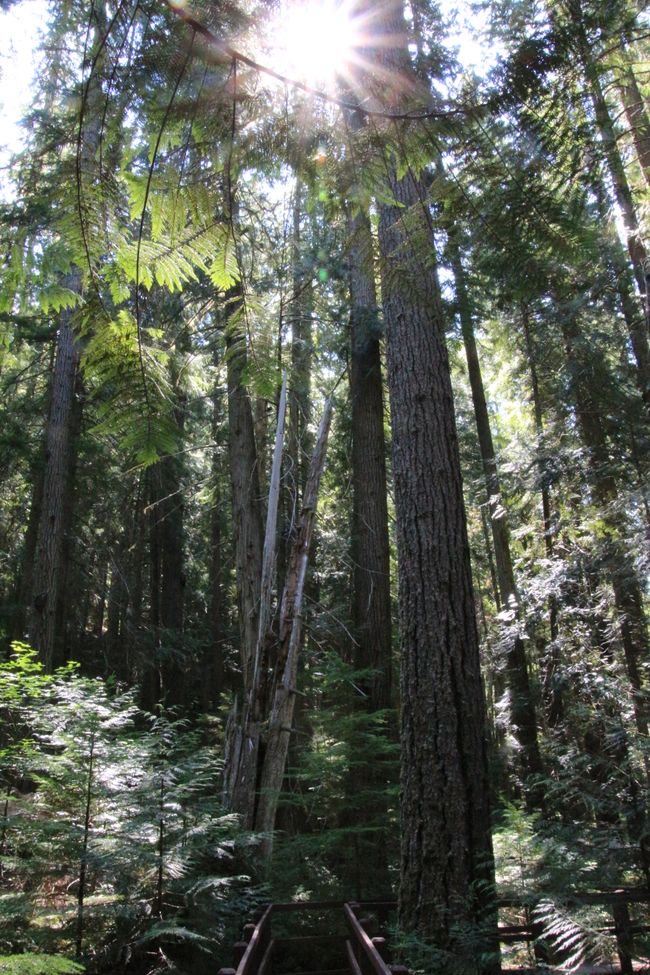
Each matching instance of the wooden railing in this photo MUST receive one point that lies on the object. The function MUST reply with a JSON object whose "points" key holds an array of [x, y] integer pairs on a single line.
{"points": [[361, 951], [366, 955], [622, 929], [254, 955]]}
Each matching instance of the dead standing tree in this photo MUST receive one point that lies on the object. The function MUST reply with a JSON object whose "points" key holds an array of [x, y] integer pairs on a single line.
{"points": [[257, 739]]}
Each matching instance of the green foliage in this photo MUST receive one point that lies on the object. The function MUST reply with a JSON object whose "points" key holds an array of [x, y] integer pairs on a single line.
{"points": [[343, 792], [160, 856], [32, 964]]}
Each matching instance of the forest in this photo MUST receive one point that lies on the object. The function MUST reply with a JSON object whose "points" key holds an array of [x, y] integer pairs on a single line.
{"points": [[324, 510]]}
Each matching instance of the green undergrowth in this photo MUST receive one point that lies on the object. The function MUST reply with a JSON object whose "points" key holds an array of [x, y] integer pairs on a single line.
{"points": [[115, 848], [33, 964]]}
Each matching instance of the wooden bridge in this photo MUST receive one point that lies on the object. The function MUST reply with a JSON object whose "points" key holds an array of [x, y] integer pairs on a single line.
{"points": [[351, 942]]}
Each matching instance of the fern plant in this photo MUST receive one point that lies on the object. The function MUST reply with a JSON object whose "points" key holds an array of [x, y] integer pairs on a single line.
{"points": [[115, 846]]}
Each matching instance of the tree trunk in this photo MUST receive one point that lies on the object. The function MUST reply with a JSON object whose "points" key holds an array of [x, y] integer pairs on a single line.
{"points": [[624, 198], [522, 706], [215, 663], [625, 584], [634, 107], [246, 507], [372, 618], [447, 869], [370, 548], [48, 561], [299, 444], [283, 689], [551, 682], [170, 513]]}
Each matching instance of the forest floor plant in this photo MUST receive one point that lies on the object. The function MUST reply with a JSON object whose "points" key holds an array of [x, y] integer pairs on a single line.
{"points": [[114, 846]]}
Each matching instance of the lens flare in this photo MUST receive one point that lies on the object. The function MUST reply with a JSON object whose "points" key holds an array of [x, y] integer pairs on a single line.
{"points": [[314, 42]]}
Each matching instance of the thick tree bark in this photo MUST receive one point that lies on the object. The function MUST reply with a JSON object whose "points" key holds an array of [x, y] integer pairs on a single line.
{"points": [[243, 735], [445, 814], [447, 869], [522, 705], [65, 610], [370, 557], [242, 739], [370, 546], [48, 561]]}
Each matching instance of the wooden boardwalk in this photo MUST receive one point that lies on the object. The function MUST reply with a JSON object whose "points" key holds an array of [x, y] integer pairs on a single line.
{"points": [[352, 942]]}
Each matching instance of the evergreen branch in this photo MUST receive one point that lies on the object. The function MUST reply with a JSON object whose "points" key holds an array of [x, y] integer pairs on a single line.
{"points": [[141, 230]]}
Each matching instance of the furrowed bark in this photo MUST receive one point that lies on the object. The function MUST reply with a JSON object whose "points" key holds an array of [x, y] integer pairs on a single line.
{"points": [[447, 869]]}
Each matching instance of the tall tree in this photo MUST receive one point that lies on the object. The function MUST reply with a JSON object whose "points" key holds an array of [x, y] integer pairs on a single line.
{"points": [[522, 704], [447, 869], [49, 560]]}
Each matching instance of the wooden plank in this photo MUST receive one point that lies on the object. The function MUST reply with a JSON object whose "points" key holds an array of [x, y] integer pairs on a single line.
{"points": [[311, 939], [333, 905], [629, 895]]}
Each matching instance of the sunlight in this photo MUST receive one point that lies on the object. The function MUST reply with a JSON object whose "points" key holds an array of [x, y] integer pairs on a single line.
{"points": [[314, 41]]}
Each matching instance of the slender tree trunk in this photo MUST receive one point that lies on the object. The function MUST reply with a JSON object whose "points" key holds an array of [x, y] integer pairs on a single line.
{"points": [[634, 106], [283, 690], [25, 586], [551, 683], [299, 444], [246, 507], [625, 584], [152, 677], [625, 199], [522, 705], [115, 615], [215, 665], [136, 579]]}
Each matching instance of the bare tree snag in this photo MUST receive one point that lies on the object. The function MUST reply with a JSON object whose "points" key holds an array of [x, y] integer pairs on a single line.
{"points": [[283, 691]]}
